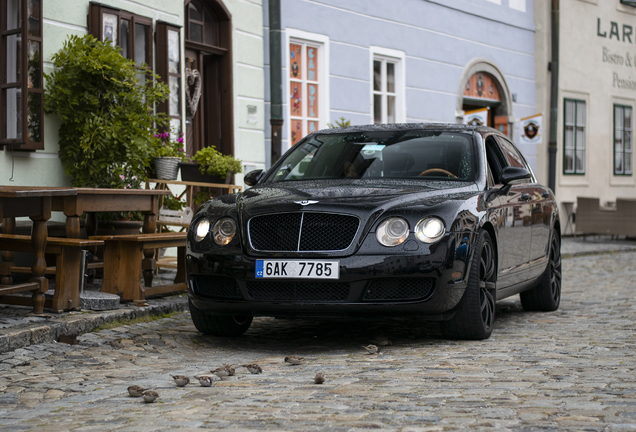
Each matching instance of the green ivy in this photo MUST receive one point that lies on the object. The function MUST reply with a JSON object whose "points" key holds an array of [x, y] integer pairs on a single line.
{"points": [[108, 121]]}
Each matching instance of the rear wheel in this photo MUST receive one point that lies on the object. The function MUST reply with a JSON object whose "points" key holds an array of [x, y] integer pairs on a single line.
{"points": [[475, 316], [218, 325], [546, 296]]}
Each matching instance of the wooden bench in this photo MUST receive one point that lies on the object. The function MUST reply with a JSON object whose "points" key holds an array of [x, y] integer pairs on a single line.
{"points": [[66, 269], [126, 256]]}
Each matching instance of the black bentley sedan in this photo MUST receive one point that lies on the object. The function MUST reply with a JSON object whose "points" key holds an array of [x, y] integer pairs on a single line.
{"points": [[428, 221]]}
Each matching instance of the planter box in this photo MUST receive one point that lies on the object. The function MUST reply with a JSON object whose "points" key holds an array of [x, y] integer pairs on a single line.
{"points": [[190, 173]]}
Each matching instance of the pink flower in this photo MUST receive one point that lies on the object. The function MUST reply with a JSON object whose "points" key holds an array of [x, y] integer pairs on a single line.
{"points": [[180, 150], [121, 176], [180, 140], [134, 177]]}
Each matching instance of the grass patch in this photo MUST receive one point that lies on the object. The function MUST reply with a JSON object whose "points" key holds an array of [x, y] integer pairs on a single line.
{"points": [[143, 319]]}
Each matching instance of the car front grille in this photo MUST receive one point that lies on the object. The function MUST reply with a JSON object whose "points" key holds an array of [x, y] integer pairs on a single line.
{"points": [[396, 289], [299, 292], [215, 287], [302, 232]]}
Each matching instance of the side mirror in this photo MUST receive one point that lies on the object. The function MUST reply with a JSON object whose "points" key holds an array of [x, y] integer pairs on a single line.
{"points": [[510, 174], [252, 177]]}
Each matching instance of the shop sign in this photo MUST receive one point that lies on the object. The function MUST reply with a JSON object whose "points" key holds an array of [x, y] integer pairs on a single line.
{"points": [[478, 117], [532, 129]]}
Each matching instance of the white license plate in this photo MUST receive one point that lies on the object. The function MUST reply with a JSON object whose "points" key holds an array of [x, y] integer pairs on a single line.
{"points": [[310, 269]]}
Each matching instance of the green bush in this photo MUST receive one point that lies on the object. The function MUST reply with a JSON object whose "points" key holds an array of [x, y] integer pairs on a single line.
{"points": [[214, 163], [107, 117]]}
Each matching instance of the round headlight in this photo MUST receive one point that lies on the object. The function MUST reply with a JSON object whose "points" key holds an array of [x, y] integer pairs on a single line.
{"points": [[223, 231], [392, 231], [429, 230], [201, 229]]}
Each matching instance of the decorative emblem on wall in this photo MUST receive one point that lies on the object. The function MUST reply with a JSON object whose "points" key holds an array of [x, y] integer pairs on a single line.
{"points": [[531, 129], [193, 88], [480, 84]]}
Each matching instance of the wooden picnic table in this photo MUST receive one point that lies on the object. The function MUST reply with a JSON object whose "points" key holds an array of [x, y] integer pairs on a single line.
{"points": [[36, 204], [95, 200]]}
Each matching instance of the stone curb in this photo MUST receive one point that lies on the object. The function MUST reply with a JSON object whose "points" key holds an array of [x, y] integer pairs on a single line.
{"points": [[49, 331], [597, 252]]}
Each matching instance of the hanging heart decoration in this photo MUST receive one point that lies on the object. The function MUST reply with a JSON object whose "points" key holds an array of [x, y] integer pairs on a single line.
{"points": [[193, 91]]}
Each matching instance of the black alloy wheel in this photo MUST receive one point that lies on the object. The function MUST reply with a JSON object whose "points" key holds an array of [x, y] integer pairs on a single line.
{"points": [[546, 296], [209, 323], [475, 315]]}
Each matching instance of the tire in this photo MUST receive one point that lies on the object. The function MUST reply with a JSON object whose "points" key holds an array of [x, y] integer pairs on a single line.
{"points": [[219, 325], [546, 296], [475, 315]]}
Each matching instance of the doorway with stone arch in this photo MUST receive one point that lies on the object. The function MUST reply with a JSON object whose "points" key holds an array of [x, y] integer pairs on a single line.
{"points": [[484, 87]]}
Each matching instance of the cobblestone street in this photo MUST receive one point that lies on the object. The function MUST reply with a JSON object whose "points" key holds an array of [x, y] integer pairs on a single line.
{"points": [[568, 370]]}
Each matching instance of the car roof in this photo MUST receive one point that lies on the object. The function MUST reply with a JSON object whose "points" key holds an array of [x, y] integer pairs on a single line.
{"points": [[445, 127]]}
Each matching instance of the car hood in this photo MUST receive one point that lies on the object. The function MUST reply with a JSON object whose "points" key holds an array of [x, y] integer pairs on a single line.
{"points": [[358, 197]]}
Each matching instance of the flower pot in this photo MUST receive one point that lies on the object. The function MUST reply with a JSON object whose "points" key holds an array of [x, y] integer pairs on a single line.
{"points": [[190, 172], [167, 168]]}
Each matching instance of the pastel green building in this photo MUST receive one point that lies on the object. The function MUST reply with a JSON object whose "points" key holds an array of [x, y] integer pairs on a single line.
{"points": [[209, 52]]}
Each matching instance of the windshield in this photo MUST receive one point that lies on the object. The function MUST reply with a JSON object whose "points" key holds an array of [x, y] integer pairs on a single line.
{"points": [[385, 154]]}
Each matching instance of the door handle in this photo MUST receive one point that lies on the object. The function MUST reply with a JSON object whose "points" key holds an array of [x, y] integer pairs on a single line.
{"points": [[545, 195], [525, 197]]}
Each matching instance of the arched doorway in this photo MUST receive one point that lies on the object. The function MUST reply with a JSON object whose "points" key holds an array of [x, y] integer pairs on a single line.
{"points": [[208, 76], [483, 90]]}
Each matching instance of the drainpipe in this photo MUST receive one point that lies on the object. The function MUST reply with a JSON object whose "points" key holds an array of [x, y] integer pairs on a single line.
{"points": [[554, 96], [275, 79]]}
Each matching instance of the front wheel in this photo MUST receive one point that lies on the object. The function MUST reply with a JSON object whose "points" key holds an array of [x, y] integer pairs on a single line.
{"points": [[546, 296], [209, 323], [475, 316]]}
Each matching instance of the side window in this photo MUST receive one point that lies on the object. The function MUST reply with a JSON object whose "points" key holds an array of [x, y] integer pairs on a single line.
{"points": [[511, 154], [132, 33], [495, 159], [305, 88], [169, 69], [21, 107]]}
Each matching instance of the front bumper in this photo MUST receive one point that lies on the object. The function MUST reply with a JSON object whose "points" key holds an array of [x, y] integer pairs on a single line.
{"points": [[427, 283]]}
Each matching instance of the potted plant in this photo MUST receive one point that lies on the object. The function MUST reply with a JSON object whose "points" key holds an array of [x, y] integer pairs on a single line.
{"points": [[108, 122], [167, 154], [210, 166]]}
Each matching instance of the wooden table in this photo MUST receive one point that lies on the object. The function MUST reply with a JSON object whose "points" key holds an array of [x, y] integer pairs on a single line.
{"points": [[36, 204], [94, 200]]}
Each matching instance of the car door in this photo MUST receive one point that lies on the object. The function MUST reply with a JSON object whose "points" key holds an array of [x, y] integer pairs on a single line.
{"points": [[535, 207], [515, 233]]}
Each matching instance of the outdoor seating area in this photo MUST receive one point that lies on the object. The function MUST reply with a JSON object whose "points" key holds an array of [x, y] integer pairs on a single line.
{"points": [[592, 218], [125, 257]]}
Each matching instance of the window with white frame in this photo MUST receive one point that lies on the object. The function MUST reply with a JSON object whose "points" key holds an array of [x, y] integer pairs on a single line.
{"points": [[305, 87], [388, 93], [622, 140], [574, 137]]}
